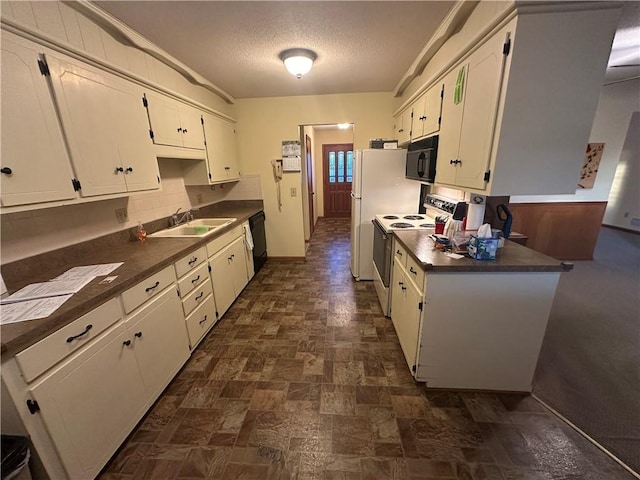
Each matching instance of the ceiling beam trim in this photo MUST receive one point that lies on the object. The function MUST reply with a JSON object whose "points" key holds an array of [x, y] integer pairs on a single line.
{"points": [[111, 23]]}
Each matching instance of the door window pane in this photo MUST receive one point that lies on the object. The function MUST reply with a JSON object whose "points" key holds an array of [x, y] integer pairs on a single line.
{"points": [[332, 167], [349, 166], [340, 167]]}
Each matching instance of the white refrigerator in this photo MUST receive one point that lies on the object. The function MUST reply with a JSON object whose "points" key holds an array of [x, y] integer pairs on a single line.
{"points": [[379, 186]]}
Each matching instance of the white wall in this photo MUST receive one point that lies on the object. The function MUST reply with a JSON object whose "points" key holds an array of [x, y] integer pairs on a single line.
{"points": [[623, 209], [263, 123], [616, 105]]}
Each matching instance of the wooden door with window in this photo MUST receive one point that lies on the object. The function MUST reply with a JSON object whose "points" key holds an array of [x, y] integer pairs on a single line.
{"points": [[337, 175]]}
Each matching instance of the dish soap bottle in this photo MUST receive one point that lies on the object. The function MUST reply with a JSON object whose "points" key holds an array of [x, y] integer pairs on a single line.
{"points": [[141, 233]]}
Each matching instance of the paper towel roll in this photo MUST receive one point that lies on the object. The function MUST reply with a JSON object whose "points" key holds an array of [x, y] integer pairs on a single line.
{"points": [[475, 216]]}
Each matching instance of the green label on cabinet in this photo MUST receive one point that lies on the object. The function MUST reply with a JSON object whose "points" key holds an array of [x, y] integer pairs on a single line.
{"points": [[458, 93]]}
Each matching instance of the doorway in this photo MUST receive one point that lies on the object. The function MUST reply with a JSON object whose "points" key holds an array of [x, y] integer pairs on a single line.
{"points": [[337, 175]]}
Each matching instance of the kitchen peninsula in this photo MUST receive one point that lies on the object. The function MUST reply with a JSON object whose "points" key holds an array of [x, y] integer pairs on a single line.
{"points": [[471, 324]]}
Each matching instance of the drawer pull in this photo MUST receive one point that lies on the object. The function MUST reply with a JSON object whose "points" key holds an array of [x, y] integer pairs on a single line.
{"points": [[148, 289], [192, 261], [399, 253], [413, 271], [126, 343], [199, 297], [203, 320], [138, 334], [195, 280], [82, 334]]}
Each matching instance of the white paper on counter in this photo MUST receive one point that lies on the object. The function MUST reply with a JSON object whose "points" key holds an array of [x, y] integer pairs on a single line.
{"points": [[30, 309], [89, 271], [53, 288]]}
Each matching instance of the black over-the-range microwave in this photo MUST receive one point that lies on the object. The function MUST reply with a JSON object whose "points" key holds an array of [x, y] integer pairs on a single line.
{"points": [[421, 160]]}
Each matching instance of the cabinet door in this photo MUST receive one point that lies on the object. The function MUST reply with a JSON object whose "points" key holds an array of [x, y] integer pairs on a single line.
{"points": [[90, 404], [480, 109], [221, 149], [432, 110], [105, 125], [403, 126], [191, 123], [159, 340], [238, 265], [222, 279], [449, 141], [405, 315], [164, 119], [40, 170]]}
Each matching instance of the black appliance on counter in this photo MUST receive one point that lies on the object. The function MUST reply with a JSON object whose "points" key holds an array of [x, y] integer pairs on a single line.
{"points": [[256, 224], [421, 160]]}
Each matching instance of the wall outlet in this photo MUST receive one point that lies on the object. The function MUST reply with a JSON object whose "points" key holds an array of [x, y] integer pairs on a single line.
{"points": [[122, 215], [294, 192], [199, 198]]}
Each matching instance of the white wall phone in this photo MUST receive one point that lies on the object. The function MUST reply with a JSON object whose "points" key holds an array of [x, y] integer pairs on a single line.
{"points": [[277, 176]]}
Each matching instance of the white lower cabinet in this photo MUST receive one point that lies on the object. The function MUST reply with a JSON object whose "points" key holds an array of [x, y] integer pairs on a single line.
{"points": [[229, 274], [159, 341], [90, 404]]}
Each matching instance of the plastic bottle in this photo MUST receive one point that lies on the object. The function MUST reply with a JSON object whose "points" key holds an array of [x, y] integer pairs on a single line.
{"points": [[141, 232]]}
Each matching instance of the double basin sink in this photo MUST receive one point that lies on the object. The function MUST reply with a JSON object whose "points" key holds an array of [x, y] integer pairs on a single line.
{"points": [[201, 227]]}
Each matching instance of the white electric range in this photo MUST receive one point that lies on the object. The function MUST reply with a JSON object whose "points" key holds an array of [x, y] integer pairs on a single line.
{"points": [[384, 226]]}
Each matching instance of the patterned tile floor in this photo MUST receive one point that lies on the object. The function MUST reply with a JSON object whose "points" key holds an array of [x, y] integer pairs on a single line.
{"points": [[303, 378]]}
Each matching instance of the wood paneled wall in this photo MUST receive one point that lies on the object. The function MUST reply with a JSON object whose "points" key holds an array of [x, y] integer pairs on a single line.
{"points": [[566, 231]]}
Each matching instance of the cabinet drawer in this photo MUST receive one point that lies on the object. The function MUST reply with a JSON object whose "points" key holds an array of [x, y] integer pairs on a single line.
{"points": [[198, 296], [191, 261], [47, 352], [217, 244], [415, 272], [193, 279], [136, 296], [201, 320], [400, 254]]}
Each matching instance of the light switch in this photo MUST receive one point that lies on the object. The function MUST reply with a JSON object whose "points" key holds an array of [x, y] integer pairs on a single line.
{"points": [[294, 192]]}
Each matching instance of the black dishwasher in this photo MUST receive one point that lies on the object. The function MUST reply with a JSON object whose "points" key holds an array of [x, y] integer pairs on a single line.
{"points": [[256, 224]]}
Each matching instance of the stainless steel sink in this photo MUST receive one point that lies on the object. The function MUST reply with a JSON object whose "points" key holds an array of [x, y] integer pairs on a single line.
{"points": [[200, 227]]}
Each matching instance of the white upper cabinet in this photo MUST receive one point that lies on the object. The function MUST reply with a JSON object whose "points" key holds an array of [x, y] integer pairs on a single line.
{"points": [[34, 162], [426, 113], [222, 154], [105, 123], [468, 110], [402, 127], [174, 123], [522, 121]]}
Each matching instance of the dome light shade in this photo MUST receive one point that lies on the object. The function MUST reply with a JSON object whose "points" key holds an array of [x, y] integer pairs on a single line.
{"points": [[298, 61]]}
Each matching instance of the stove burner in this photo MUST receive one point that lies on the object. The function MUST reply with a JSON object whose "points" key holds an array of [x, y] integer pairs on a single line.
{"points": [[390, 217], [427, 225], [401, 225], [413, 217]]}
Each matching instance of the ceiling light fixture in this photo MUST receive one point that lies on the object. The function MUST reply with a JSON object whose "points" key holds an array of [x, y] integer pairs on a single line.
{"points": [[298, 61], [344, 126]]}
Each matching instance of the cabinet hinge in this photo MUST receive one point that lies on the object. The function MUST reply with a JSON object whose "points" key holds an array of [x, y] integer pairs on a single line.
{"points": [[201, 121], [411, 113], [442, 92], [151, 134], [33, 406], [420, 306], [210, 178], [217, 316], [439, 120], [76, 184], [413, 369], [144, 101], [209, 265], [506, 48], [158, 180], [487, 175], [178, 292], [44, 68]]}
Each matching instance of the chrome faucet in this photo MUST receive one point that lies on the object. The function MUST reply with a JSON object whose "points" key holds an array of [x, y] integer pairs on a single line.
{"points": [[179, 220]]}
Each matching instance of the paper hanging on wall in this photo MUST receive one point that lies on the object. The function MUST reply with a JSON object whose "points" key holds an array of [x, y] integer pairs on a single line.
{"points": [[458, 93], [291, 148], [591, 164]]}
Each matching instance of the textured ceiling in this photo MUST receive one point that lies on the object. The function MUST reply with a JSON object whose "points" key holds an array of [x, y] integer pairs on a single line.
{"points": [[361, 46]]}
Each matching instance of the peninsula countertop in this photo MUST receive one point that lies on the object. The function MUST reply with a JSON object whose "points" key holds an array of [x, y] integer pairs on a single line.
{"points": [[510, 258], [141, 259]]}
